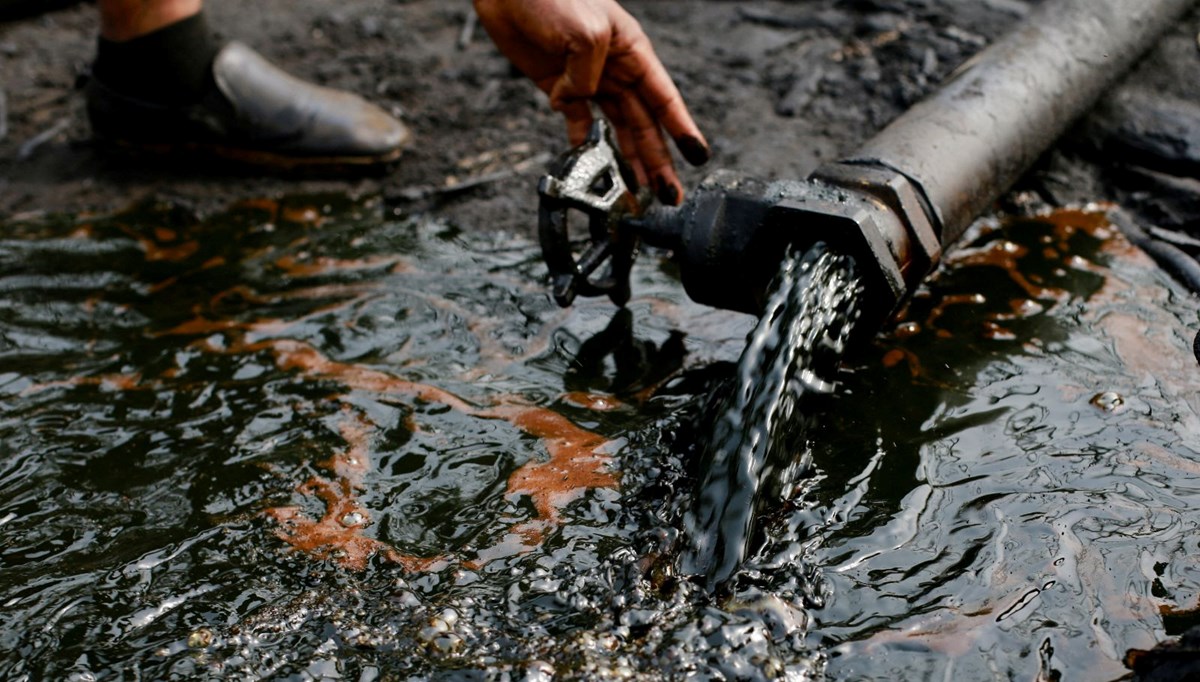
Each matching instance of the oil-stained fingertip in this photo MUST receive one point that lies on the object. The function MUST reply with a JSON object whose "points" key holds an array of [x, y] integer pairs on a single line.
{"points": [[694, 150], [667, 192]]}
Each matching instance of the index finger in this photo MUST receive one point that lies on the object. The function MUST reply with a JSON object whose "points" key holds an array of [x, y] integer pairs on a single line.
{"points": [[666, 105]]}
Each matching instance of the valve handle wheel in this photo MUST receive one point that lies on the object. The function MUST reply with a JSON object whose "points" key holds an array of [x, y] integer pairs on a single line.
{"points": [[594, 180]]}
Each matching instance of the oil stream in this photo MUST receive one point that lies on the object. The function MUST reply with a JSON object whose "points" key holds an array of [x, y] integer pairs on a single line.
{"points": [[793, 352], [312, 439]]}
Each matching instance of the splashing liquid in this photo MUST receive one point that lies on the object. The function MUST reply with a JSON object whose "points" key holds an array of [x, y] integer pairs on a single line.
{"points": [[790, 355]]}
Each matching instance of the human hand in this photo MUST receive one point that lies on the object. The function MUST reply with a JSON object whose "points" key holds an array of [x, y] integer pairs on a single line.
{"points": [[580, 51]]}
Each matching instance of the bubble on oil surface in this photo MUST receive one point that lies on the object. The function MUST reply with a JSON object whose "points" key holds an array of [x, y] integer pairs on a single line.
{"points": [[1108, 401]]}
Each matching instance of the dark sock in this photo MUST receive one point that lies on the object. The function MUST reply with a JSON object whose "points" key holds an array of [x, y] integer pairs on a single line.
{"points": [[172, 65]]}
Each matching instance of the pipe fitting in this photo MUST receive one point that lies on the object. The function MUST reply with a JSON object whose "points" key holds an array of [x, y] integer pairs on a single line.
{"points": [[730, 236], [916, 249]]}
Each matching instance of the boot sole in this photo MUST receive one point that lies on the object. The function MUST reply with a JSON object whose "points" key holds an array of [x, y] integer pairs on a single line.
{"points": [[254, 159]]}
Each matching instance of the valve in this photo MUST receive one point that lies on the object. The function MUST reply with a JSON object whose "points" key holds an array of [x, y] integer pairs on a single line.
{"points": [[594, 180]]}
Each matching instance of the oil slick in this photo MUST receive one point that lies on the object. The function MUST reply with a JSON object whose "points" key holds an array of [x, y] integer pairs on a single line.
{"points": [[577, 460], [329, 520], [1070, 271], [338, 534], [410, 462]]}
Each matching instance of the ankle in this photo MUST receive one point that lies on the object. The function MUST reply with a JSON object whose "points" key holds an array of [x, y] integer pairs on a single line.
{"points": [[122, 20], [171, 65]]}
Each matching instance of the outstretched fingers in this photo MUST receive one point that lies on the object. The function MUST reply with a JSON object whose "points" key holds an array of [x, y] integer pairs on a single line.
{"points": [[647, 138], [578, 114], [666, 105], [629, 150], [584, 67]]}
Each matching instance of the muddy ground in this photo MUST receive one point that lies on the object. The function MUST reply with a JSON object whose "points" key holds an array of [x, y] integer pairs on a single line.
{"points": [[776, 86]]}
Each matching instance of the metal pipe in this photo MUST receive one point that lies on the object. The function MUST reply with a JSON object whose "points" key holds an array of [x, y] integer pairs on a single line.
{"points": [[971, 140], [916, 186]]}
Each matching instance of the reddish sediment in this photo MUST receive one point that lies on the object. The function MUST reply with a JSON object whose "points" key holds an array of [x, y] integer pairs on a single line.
{"points": [[338, 535]]}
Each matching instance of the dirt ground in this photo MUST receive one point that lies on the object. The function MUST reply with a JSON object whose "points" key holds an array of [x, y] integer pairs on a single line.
{"points": [[777, 86]]}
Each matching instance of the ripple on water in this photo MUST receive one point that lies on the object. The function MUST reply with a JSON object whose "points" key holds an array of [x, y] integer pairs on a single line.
{"points": [[296, 439], [1043, 512]]}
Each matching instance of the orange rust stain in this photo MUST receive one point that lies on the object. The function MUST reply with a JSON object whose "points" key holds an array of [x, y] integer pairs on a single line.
{"points": [[573, 468], [304, 215], [322, 265], [108, 382], [592, 401], [339, 534], [354, 462], [327, 537]]}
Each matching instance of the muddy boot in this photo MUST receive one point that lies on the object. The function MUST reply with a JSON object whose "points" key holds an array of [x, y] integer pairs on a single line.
{"points": [[173, 92]]}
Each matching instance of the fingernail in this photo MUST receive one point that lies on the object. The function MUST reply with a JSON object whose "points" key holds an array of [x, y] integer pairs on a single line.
{"points": [[667, 192], [695, 151]]}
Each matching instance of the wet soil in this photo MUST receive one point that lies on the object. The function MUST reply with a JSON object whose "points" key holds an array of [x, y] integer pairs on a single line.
{"points": [[786, 86]]}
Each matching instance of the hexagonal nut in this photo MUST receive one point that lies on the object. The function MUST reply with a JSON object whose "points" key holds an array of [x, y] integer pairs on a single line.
{"points": [[899, 193], [863, 226]]}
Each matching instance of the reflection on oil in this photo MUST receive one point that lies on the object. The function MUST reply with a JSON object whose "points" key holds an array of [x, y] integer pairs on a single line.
{"points": [[1032, 517], [298, 439]]}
